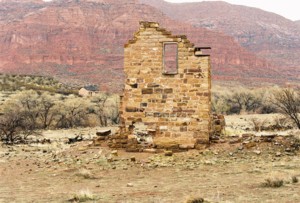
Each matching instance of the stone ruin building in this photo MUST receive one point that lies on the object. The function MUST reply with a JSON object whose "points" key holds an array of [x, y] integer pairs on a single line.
{"points": [[167, 97]]}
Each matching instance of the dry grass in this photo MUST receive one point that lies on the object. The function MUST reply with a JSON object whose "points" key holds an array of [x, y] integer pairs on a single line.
{"points": [[194, 199], [86, 174], [273, 183], [83, 196]]}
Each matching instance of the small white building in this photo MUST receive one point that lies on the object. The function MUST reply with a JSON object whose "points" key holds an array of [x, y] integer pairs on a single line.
{"points": [[89, 91]]}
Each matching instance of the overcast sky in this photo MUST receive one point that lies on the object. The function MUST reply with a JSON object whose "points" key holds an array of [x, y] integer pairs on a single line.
{"points": [[287, 8]]}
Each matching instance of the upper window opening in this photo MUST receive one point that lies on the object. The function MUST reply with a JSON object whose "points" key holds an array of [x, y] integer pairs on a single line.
{"points": [[170, 58]]}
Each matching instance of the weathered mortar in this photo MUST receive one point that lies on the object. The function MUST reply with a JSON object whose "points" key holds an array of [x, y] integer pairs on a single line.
{"points": [[174, 107]]}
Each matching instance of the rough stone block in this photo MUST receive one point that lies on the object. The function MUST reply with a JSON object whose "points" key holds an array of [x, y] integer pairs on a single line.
{"points": [[147, 91]]}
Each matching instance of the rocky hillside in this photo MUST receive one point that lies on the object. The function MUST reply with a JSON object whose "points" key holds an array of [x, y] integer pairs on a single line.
{"points": [[265, 34], [82, 42]]}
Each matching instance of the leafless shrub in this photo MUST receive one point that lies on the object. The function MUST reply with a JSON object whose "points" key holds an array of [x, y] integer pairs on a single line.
{"points": [[257, 123], [274, 183], [241, 100], [287, 101], [72, 112], [280, 122], [28, 111], [15, 127], [106, 107]]}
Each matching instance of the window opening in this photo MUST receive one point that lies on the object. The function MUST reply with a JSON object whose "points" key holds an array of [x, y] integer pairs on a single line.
{"points": [[170, 58]]}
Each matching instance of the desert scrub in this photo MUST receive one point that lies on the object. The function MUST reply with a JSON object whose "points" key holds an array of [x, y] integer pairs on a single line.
{"points": [[273, 183], [86, 174], [195, 200], [83, 196], [295, 179]]}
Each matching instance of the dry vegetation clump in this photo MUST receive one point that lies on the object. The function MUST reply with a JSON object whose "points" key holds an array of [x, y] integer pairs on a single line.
{"points": [[195, 200], [279, 182], [258, 124], [285, 101], [273, 183], [281, 123], [295, 179], [38, 83], [29, 111], [241, 100], [86, 174], [83, 196]]}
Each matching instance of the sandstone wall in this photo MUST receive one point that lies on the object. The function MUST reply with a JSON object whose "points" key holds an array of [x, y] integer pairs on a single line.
{"points": [[174, 107]]}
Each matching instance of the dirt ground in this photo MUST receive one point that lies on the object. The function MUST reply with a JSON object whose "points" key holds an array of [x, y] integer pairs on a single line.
{"points": [[230, 170]]}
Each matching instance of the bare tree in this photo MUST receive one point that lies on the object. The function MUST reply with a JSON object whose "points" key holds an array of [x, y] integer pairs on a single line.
{"points": [[287, 101], [106, 107], [99, 102], [47, 110], [28, 101], [245, 100], [15, 127], [72, 112]]}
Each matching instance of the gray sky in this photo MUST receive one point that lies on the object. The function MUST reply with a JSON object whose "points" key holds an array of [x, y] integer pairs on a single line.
{"points": [[287, 8]]}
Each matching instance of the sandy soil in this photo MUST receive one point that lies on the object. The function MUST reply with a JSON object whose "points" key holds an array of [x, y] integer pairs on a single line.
{"points": [[225, 172]]}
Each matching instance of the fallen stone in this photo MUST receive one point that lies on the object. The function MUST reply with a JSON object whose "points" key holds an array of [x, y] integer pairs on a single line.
{"points": [[222, 141], [132, 159], [201, 146], [104, 132], [78, 138], [129, 185], [114, 152], [150, 150], [257, 152], [288, 149], [247, 135], [209, 162], [234, 141], [186, 146], [168, 153], [278, 154], [249, 145], [240, 148]]}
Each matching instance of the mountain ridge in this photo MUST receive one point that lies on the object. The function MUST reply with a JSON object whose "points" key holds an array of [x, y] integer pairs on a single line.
{"points": [[82, 42], [266, 34]]}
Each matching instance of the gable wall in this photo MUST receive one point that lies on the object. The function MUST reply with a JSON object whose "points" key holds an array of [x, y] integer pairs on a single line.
{"points": [[173, 107]]}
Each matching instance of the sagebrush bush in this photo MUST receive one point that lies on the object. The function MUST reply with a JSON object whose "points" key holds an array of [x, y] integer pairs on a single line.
{"points": [[237, 100], [274, 183], [295, 179], [43, 110], [195, 200], [86, 174], [83, 196]]}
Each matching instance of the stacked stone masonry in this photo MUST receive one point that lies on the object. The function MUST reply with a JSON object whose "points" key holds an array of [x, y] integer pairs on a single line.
{"points": [[174, 107]]}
